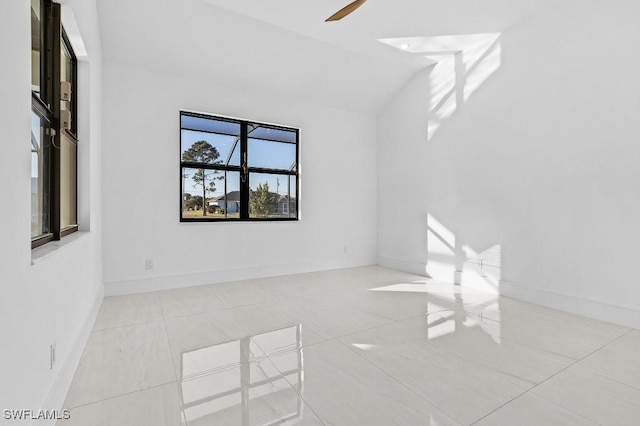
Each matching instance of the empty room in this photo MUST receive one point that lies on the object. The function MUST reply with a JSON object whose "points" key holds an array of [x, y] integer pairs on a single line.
{"points": [[320, 212]]}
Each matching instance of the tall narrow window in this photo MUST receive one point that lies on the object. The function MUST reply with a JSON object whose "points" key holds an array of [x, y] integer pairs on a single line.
{"points": [[40, 182], [234, 169], [37, 31], [68, 139], [53, 128], [41, 130]]}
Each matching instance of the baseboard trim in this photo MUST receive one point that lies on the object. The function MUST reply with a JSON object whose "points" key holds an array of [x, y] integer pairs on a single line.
{"points": [[169, 282], [58, 392], [403, 265], [605, 311]]}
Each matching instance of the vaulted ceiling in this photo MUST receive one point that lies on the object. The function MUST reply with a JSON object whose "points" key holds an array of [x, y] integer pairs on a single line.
{"points": [[284, 47]]}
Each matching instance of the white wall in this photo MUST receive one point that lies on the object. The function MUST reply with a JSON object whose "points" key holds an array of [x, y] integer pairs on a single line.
{"points": [[540, 164], [53, 299], [142, 192], [402, 204]]}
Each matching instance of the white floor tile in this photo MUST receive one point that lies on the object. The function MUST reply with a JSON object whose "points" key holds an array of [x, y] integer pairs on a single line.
{"points": [[334, 320], [464, 390], [119, 311], [252, 392], [264, 322], [547, 329], [241, 293], [191, 333], [391, 305], [617, 364], [598, 398], [156, 406], [344, 389], [629, 342], [121, 360], [354, 346], [462, 337], [299, 285], [189, 301], [531, 410]]}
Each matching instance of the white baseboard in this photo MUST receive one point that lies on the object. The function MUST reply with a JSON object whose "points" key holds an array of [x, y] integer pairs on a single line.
{"points": [[403, 265], [58, 391], [618, 314], [168, 282]]}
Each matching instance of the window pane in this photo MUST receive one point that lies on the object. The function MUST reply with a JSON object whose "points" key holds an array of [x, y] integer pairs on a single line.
{"points": [[272, 196], [67, 75], [66, 63], [68, 181], [292, 197], [259, 131], [210, 125], [210, 148], [36, 45], [210, 194], [39, 181], [271, 155]]}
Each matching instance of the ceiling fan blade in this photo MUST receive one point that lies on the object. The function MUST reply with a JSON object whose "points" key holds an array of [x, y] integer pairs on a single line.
{"points": [[345, 10]]}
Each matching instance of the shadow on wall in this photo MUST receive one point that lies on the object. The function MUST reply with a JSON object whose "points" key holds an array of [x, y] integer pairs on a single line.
{"points": [[450, 260]]}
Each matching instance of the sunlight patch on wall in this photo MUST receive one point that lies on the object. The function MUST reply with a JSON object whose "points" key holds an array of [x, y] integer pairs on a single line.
{"points": [[462, 64], [452, 261], [483, 270], [444, 241], [441, 246], [481, 62]]}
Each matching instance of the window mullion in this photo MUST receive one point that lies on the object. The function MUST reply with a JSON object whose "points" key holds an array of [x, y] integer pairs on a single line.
{"points": [[244, 174]]}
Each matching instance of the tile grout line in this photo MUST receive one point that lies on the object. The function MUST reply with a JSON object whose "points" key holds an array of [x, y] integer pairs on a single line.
{"points": [[166, 335], [121, 395], [395, 379], [150, 321], [621, 349], [476, 363], [335, 338], [268, 358], [183, 415], [615, 380], [551, 377]]}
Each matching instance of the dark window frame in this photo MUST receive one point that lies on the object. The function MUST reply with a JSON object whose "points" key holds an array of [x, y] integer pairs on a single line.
{"points": [[73, 132], [46, 105], [243, 169]]}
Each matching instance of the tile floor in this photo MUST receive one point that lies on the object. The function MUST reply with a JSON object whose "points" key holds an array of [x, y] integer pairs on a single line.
{"points": [[361, 346]]}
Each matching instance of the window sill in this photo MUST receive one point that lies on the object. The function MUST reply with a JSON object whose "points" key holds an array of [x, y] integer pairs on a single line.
{"points": [[40, 253], [236, 221]]}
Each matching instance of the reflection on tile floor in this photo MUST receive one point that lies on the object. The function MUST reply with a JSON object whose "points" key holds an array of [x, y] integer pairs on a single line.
{"points": [[359, 346]]}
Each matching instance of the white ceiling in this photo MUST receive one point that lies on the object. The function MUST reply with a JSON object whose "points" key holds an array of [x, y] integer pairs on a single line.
{"points": [[284, 47]]}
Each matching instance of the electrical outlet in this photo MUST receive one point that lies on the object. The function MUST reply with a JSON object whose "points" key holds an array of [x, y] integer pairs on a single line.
{"points": [[52, 356], [346, 250], [148, 264]]}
